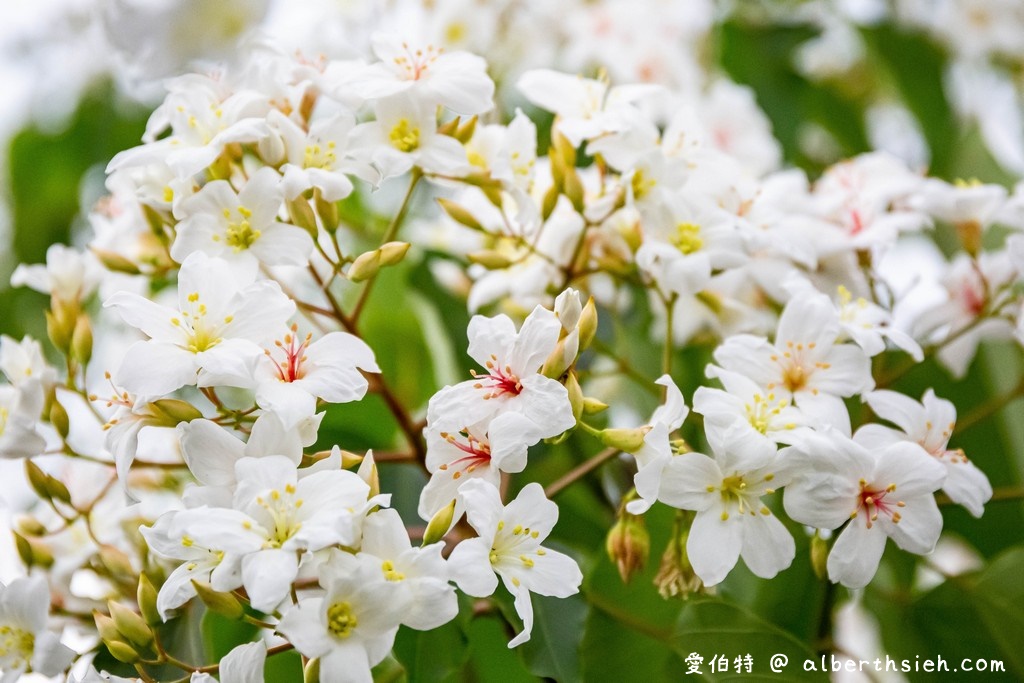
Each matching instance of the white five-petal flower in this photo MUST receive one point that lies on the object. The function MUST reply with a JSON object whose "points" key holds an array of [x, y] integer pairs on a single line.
{"points": [[211, 338], [508, 545], [879, 493], [726, 492], [929, 424]]}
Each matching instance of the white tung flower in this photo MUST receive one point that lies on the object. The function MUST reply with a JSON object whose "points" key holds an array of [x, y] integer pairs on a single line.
{"points": [[241, 227], [804, 363], [508, 545], [25, 642], [210, 339], [457, 80], [930, 425], [278, 513], [879, 493], [726, 492], [512, 383], [296, 372], [350, 629]]}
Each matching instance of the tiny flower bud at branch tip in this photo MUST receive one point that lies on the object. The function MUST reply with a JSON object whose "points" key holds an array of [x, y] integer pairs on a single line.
{"points": [[626, 440], [439, 524]]}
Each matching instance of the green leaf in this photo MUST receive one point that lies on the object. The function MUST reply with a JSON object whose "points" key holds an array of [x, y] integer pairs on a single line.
{"points": [[553, 650], [489, 656], [712, 628], [432, 656], [972, 617], [916, 65], [221, 635]]}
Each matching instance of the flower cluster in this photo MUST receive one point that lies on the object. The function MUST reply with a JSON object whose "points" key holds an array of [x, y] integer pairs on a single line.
{"points": [[220, 320]]}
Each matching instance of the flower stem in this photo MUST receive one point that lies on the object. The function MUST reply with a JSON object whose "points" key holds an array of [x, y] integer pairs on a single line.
{"points": [[579, 471], [389, 235]]}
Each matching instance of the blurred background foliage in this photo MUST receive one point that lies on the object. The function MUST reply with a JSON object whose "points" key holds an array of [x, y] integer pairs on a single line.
{"points": [[628, 632]]}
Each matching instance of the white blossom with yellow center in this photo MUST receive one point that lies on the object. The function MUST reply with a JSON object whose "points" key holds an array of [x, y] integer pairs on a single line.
{"points": [[509, 545]]}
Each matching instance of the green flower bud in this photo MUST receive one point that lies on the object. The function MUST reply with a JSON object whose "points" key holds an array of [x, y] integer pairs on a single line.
{"points": [[460, 214], [439, 524], [301, 214], [225, 604], [146, 595], [59, 419], [626, 440], [81, 340], [133, 626], [122, 652]]}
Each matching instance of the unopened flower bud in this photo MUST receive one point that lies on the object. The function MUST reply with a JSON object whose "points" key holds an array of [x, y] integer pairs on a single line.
{"points": [[117, 564], [460, 214], [59, 419], [271, 150], [626, 440], [490, 259], [368, 472], [24, 549], [115, 262], [60, 326], [392, 253], [568, 309], [587, 324], [122, 652], [562, 357], [592, 406], [819, 556], [573, 189], [628, 544], [328, 212], [224, 604], [37, 479], [29, 526], [106, 628], [301, 214], [81, 340], [572, 386], [146, 596], [439, 524], [364, 267], [311, 673], [169, 412], [133, 626]]}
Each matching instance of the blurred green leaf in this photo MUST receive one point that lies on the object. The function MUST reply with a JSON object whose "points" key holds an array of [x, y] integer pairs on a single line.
{"points": [[432, 656], [553, 650], [916, 65], [966, 617]]}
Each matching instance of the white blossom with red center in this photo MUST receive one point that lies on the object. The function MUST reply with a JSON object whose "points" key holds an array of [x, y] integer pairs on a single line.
{"points": [[480, 451], [885, 492], [512, 383], [930, 425], [297, 371], [457, 80]]}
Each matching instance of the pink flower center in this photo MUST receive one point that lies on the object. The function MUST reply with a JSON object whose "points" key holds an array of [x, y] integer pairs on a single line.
{"points": [[477, 453], [289, 367], [415, 63], [498, 382], [873, 501]]}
